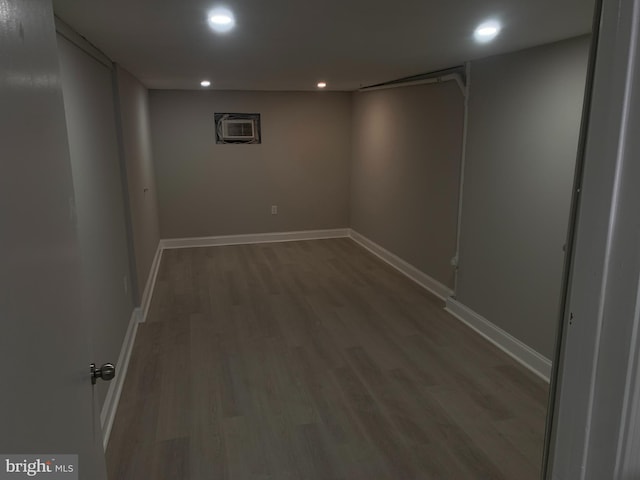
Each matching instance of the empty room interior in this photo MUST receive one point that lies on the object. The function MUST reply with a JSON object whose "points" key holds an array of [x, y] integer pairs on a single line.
{"points": [[323, 241]]}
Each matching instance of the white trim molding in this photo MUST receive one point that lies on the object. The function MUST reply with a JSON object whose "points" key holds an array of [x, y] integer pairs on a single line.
{"points": [[438, 289], [513, 347], [253, 238], [139, 315], [145, 301], [110, 406]]}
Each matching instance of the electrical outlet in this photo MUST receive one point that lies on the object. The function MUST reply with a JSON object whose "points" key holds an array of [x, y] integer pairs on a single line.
{"points": [[274, 209]]}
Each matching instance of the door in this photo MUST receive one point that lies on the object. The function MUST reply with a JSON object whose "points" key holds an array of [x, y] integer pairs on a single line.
{"points": [[46, 401]]}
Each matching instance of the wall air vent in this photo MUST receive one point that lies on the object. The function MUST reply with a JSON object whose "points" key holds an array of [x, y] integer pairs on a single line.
{"points": [[238, 130], [237, 127]]}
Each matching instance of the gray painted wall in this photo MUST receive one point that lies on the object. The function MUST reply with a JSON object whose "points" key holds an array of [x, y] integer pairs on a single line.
{"points": [[407, 145], [524, 118], [91, 124], [141, 181], [302, 164]]}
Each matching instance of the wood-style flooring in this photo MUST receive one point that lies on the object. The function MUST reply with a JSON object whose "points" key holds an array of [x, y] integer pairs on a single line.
{"points": [[315, 360]]}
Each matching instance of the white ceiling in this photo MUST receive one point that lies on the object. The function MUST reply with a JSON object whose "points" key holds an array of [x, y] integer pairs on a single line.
{"points": [[293, 44]]}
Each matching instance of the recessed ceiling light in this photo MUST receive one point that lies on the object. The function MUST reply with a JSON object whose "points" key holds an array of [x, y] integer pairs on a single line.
{"points": [[205, 83], [221, 20], [322, 84], [487, 31]]}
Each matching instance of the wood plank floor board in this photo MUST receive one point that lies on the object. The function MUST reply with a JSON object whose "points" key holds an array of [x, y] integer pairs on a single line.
{"points": [[323, 464], [174, 397], [398, 410], [446, 431], [529, 408], [316, 360], [170, 460], [436, 462], [316, 384], [523, 437], [463, 375], [389, 351], [478, 427]]}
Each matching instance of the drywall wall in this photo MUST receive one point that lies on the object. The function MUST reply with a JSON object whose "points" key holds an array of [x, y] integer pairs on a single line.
{"points": [[91, 124], [407, 145], [133, 109], [524, 119], [302, 165]]}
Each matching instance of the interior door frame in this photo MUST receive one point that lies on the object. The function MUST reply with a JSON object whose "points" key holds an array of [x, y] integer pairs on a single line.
{"points": [[593, 425]]}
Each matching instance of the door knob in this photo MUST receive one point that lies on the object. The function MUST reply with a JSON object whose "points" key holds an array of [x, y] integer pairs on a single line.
{"points": [[106, 372]]}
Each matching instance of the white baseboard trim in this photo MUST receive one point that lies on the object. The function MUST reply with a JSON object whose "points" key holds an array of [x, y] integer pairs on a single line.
{"points": [[438, 289], [253, 238], [145, 301], [110, 406], [139, 315], [513, 347]]}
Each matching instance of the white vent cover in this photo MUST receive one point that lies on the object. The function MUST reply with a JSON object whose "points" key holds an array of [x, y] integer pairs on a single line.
{"points": [[238, 129]]}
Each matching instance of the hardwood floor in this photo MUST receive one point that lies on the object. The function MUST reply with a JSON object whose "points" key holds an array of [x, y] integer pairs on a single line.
{"points": [[315, 360]]}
